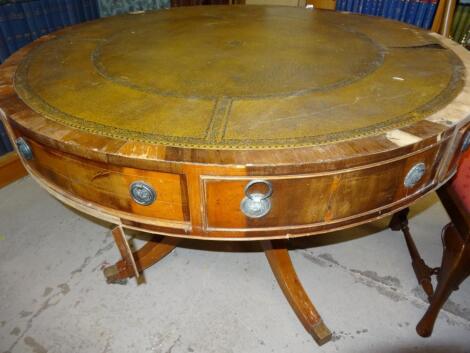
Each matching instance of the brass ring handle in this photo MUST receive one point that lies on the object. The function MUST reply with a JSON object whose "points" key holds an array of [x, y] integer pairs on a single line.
{"points": [[258, 196], [256, 204]]}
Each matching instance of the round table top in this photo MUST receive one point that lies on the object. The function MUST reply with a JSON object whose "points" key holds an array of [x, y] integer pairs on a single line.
{"points": [[239, 77]]}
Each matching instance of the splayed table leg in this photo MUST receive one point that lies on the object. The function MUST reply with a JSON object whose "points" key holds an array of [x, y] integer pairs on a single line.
{"points": [[132, 264], [283, 269]]}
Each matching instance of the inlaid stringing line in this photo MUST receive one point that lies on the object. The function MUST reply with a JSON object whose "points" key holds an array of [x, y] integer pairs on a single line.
{"points": [[219, 119]]}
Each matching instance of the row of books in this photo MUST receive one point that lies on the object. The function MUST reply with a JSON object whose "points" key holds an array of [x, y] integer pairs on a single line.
{"points": [[419, 13], [461, 24], [22, 21], [5, 144]]}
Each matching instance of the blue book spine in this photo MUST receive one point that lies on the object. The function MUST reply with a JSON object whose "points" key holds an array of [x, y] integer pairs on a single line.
{"points": [[7, 32], [399, 4], [402, 4], [81, 11], [72, 10], [4, 140], [411, 13], [87, 10], [63, 12], [394, 9], [95, 12], [18, 24], [28, 12], [393, 5], [361, 6], [388, 8], [404, 10], [369, 7], [38, 17], [3, 149], [56, 14], [420, 12], [4, 51], [338, 6], [349, 5], [46, 12], [379, 8], [373, 7], [429, 16], [355, 6], [53, 14]]}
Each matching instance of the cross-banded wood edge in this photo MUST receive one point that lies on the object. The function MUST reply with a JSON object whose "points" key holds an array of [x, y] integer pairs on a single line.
{"points": [[204, 172]]}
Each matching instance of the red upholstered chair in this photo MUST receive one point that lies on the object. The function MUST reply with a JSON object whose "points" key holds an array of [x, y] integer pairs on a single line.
{"points": [[461, 183], [455, 266]]}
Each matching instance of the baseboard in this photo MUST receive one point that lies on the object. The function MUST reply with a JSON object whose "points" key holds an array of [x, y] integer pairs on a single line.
{"points": [[11, 169]]}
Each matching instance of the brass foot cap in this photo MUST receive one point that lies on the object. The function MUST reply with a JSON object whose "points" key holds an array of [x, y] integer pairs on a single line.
{"points": [[111, 273], [321, 333]]}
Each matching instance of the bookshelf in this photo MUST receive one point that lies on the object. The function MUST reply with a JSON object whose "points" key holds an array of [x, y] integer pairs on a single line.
{"points": [[20, 23]]}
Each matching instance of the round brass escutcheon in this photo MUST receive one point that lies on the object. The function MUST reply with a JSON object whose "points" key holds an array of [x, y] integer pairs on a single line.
{"points": [[466, 142], [414, 175], [257, 204], [142, 193], [23, 148]]}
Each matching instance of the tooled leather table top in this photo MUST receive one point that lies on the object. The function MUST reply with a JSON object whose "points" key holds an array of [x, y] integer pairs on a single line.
{"points": [[243, 77]]}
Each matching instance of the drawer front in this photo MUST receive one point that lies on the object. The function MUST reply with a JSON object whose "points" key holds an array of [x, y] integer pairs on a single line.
{"points": [[316, 198], [109, 186]]}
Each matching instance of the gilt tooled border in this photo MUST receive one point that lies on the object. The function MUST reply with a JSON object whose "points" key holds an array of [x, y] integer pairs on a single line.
{"points": [[35, 102]]}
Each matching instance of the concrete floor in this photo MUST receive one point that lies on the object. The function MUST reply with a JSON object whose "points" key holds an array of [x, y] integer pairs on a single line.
{"points": [[53, 297]]}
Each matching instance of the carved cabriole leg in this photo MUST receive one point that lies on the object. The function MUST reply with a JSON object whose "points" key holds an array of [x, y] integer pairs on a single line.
{"points": [[284, 271], [423, 273], [454, 269], [149, 254]]}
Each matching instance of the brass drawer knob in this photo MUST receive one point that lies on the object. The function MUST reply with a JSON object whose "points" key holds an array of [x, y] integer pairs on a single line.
{"points": [[257, 204], [142, 193], [23, 148], [414, 175]]}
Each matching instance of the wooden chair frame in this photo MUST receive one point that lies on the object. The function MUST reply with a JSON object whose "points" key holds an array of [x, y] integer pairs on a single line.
{"points": [[455, 266]]}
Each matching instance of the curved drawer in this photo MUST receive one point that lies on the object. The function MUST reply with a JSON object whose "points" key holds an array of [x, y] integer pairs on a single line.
{"points": [[109, 185], [308, 200]]}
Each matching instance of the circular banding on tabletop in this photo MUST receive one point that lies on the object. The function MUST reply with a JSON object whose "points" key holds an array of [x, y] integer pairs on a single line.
{"points": [[261, 77]]}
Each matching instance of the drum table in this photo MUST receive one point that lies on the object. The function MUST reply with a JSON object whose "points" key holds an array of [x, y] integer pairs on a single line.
{"points": [[238, 123]]}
